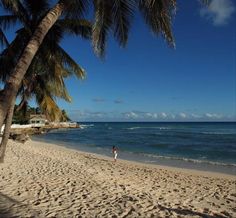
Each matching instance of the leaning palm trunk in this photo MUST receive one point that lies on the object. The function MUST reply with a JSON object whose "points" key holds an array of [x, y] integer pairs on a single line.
{"points": [[6, 132], [12, 85]]}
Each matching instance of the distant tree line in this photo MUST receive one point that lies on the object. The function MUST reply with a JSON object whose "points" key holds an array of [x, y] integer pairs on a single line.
{"points": [[22, 115]]}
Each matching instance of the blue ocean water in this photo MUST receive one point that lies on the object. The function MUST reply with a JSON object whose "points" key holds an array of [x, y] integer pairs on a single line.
{"points": [[210, 146]]}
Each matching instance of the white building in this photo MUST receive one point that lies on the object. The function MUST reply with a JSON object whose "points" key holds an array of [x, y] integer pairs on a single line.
{"points": [[38, 120]]}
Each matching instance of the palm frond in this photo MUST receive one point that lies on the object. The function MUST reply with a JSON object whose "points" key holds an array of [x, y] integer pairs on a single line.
{"points": [[36, 8], [75, 8], [3, 39], [46, 74], [23, 102], [9, 56], [77, 27], [15, 7], [122, 11], [102, 24], [158, 15], [44, 79], [53, 37], [63, 57], [7, 21], [57, 86], [49, 107]]}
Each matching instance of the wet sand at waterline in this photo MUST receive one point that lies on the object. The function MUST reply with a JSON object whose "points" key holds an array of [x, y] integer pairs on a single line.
{"points": [[39, 179]]}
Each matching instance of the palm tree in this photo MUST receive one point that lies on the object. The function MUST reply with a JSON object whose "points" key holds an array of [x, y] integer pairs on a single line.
{"points": [[6, 132], [4, 43], [109, 15], [44, 78], [114, 15]]}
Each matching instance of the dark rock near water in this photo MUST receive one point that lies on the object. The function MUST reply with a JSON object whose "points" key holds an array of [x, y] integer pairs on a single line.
{"points": [[22, 138]]}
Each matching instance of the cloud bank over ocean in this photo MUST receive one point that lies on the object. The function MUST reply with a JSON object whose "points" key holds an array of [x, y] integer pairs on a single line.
{"points": [[88, 115]]}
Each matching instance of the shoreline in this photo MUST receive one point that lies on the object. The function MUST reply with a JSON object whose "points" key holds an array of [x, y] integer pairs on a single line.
{"points": [[46, 180], [142, 164], [197, 165]]}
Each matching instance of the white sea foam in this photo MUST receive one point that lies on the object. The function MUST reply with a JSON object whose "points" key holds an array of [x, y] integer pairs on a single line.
{"points": [[84, 126], [218, 133], [149, 127], [190, 160]]}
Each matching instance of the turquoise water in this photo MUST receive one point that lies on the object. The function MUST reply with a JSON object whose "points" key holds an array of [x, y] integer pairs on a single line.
{"points": [[210, 146]]}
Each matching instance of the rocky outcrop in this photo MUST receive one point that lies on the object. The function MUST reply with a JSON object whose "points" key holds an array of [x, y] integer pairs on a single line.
{"points": [[22, 138]]}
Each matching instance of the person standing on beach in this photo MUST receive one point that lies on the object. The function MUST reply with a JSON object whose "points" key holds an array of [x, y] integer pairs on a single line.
{"points": [[114, 151]]}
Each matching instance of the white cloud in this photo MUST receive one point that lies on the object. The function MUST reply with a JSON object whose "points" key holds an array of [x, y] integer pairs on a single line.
{"points": [[213, 116], [87, 115], [208, 115], [196, 116], [131, 115], [182, 115], [149, 115], [140, 115], [155, 116], [218, 11], [163, 115]]}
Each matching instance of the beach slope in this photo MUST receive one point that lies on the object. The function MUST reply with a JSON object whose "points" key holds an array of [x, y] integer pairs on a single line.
{"points": [[45, 180]]}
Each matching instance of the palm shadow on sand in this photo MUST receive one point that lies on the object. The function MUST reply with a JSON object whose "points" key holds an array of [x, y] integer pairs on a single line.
{"points": [[189, 213], [10, 207]]}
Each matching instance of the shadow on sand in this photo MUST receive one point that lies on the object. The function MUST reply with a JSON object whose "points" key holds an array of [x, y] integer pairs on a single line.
{"points": [[189, 213], [10, 208]]}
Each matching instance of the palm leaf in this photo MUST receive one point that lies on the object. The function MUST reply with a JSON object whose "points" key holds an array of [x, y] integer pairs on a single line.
{"points": [[122, 11], [75, 8], [3, 39], [48, 76], [53, 37], [64, 58], [6, 21], [36, 8], [9, 56], [103, 22], [49, 107], [57, 86], [15, 7], [158, 15], [79, 27]]}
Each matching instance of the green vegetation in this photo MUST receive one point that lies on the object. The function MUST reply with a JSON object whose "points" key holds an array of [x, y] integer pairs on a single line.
{"points": [[44, 79], [22, 116], [65, 117]]}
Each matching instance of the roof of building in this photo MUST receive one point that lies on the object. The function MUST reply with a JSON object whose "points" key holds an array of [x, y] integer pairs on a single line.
{"points": [[37, 116]]}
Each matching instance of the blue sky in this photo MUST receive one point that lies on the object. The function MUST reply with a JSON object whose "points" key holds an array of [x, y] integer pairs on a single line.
{"points": [[148, 81]]}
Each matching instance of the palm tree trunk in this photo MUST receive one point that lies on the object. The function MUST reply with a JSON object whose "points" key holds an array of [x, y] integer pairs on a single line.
{"points": [[21, 105], [6, 132], [12, 85]]}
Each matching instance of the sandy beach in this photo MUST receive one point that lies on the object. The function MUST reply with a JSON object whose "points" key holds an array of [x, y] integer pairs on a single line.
{"points": [[45, 180]]}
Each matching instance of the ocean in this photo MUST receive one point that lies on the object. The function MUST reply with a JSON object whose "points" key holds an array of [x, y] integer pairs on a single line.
{"points": [[207, 146]]}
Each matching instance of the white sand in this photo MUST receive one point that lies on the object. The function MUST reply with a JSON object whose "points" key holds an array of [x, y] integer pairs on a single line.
{"points": [[44, 180]]}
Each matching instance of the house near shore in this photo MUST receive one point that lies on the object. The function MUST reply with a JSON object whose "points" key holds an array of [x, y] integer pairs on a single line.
{"points": [[38, 120]]}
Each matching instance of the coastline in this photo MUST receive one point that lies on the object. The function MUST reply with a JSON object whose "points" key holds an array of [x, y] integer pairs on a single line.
{"points": [[188, 164], [135, 162], [47, 180]]}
